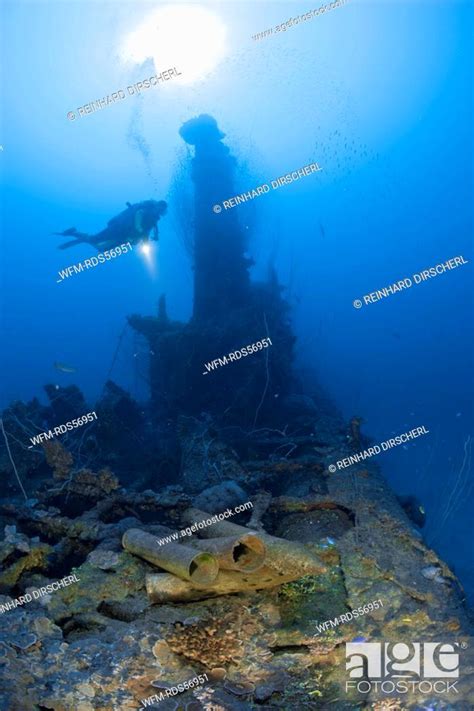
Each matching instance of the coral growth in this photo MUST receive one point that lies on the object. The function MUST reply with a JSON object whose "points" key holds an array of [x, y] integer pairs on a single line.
{"points": [[35, 559], [210, 642], [58, 458], [390, 704], [92, 485]]}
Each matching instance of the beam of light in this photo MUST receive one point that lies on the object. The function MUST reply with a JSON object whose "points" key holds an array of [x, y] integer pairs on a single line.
{"points": [[149, 254], [188, 37], [145, 249]]}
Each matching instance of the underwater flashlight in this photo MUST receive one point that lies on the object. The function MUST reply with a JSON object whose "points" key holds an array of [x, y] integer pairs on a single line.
{"points": [[149, 254]]}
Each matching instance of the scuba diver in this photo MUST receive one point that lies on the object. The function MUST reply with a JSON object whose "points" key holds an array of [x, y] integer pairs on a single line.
{"points": [[138, 223]]}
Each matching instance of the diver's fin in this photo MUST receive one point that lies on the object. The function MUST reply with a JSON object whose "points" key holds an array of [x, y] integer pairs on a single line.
{"points": [[78, 240], [67, 233], [72, 232]]}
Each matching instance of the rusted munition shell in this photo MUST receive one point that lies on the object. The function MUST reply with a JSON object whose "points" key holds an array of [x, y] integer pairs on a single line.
{"points": [[284, 557], [163, 587], [245, 553], [186, 563]]}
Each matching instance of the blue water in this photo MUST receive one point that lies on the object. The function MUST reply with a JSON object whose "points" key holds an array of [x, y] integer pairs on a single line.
{"points": [[379, 94]]}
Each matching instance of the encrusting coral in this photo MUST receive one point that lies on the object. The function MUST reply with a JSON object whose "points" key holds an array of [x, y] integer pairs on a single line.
{"points": [[58, 458], [210, 642], [36, 558]]}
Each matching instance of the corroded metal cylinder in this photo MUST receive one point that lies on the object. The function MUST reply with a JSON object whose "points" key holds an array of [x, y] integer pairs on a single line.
{"points": [[186, 563], [288, 558], [163, 588], [245, 553]]}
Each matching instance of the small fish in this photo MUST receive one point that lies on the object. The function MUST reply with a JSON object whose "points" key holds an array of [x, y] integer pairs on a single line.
{"points": [[63, 368], [414, 509], [406, 619], [326, 542], [321, 229], [359, 640]]}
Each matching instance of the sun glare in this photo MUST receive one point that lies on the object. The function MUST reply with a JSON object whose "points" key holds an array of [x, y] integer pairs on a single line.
{"points": [[188, 37]]}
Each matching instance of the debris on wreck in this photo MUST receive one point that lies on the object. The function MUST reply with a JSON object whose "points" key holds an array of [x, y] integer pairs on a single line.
{"points": [[277, 561], [245, 553], [199, 568], [240, 600]]}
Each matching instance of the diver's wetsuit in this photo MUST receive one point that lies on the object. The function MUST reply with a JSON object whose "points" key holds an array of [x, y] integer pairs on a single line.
{"points": [[138, 223]]}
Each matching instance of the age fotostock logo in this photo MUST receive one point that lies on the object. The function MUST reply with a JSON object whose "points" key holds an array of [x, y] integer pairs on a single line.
{"points": [[402, 667]]}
